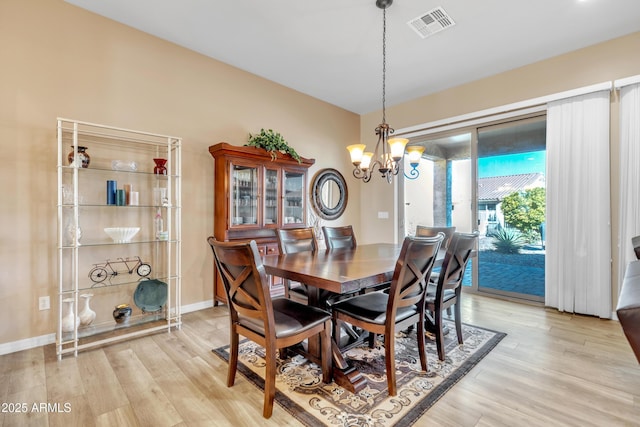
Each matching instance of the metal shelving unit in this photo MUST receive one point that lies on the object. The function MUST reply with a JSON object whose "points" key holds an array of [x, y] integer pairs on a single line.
{"points": [[85, 209]]}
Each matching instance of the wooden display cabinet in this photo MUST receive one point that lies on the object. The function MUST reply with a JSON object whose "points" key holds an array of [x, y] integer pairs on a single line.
{"points": [[254, 195]]}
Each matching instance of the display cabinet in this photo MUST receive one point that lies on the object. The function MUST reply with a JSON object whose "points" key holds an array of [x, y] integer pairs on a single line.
{"points": [[119, 234], [254, 195]]}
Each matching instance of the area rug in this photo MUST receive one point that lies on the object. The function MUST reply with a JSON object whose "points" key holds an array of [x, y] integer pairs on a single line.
{"points": [[301, 392]]}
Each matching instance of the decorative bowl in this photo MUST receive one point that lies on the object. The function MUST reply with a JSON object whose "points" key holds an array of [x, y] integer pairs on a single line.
{"points": [[121, 234]]}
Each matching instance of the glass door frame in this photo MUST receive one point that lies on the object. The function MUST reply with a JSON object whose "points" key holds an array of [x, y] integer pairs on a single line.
{"points": [[472, 128]]}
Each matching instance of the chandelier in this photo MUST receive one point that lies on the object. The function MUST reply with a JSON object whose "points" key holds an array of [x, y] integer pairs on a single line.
{"points": [[389, 153]]}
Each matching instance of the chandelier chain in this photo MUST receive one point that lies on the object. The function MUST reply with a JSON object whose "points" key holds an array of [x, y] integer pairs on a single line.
{"points": [[384, 64]]}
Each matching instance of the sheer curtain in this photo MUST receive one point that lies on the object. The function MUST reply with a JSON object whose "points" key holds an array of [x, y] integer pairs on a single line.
{"points": [[629, 175], [578, 273]]}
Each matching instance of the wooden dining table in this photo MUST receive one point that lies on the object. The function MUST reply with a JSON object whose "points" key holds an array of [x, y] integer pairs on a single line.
{"points": [[337, 272]]}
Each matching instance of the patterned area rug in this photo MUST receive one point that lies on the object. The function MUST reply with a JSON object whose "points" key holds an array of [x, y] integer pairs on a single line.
{"points": [[301, 392]]}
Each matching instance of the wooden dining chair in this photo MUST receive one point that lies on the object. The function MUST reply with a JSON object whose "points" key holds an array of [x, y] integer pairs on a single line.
{"points": [[339, 237], [446, 290], [403, 306], [426, 231], [273, 324], [294, 240]]}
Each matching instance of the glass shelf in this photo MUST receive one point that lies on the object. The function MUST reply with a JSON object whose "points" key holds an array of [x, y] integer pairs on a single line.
{"points": [[98, 169], [95, 263]]}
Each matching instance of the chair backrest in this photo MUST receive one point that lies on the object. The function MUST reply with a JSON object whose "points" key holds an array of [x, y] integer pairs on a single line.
{"points": [[339, 237], [412, 272], [293, 240], [455, 261], [425, 231], [245, 283]]}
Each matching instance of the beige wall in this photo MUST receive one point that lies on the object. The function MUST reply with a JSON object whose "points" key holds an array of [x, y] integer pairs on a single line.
{"points": [[599, 63], [59, 60]]}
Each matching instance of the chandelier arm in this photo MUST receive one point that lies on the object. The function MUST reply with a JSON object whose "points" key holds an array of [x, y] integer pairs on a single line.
{"points": [[413, 174]]}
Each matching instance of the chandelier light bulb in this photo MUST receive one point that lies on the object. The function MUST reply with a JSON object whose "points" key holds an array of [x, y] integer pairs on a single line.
{"points": [[366, 160], [356, 151], [414, 154], [397, 147]]}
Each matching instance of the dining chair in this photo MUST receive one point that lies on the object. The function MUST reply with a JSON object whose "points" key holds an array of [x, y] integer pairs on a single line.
{"points": [[399, 308], [426, 231], [290, 241], [339, 237], [345, 238], [272, 324], [445, 291]]}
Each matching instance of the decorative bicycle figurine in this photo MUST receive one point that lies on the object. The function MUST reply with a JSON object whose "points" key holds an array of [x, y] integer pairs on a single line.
{"points": [[100, 272]]}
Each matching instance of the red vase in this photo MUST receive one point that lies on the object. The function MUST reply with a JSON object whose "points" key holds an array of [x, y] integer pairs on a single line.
{"points": [[160, 168]]}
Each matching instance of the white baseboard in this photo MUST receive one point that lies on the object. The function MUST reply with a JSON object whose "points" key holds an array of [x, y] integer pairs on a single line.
{"points": [[28, 343], [197, 306]]}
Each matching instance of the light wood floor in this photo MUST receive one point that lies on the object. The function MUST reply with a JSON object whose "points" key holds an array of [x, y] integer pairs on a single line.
{"points": [[551, 369]]}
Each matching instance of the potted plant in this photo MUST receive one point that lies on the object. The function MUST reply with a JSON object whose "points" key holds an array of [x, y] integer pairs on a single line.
{"points": [[273, 142]]}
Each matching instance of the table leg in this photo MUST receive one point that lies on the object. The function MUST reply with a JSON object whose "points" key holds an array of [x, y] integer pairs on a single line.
{"points": [[344, 375]]}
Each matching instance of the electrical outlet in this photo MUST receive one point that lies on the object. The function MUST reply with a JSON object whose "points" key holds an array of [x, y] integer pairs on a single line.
{"points": [[44, 303]]}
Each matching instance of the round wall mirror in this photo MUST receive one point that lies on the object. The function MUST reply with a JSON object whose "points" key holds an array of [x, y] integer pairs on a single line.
{"points": [[329, 194]]}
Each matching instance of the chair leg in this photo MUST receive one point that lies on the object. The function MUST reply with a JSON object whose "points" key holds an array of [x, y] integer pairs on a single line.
{"points": [[458, 322], [372, 339], [390, 362], [269, 382], [287, 285], [421, 346], [233, 358], [336, 329], [437, 315], [325, 345]]}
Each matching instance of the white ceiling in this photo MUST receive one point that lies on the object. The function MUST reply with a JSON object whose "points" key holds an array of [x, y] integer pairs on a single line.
{"points": [[332, 49]]}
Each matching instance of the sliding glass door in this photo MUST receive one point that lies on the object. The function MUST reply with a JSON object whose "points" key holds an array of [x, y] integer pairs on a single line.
{"points": [[490, 179], [511, 208]]}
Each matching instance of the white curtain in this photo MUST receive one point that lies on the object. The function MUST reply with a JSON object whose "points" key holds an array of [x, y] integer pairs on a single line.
{"points": [[578, 273], [629, 175]]}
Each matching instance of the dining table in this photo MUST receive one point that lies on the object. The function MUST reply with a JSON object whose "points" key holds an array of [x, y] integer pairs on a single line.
{"points": [[336, 272]]}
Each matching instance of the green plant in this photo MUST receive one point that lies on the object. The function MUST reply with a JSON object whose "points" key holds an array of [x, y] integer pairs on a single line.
{"points": [[525, 210], [508, 241], [273, 142]]}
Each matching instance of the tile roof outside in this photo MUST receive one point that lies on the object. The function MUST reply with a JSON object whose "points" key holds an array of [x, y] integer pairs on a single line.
{"points": [[497, 188]]}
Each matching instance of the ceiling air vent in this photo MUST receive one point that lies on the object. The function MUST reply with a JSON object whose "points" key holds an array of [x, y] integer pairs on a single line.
{"points": [[431, 22]]}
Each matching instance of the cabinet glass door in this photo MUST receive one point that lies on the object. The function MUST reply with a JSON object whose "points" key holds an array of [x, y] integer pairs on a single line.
{"points": [[244, 203], [270, 196], [293, 200]]}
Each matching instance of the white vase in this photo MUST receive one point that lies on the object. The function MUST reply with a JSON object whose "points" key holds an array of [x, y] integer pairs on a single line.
{"points": [[74, 234], [69, 320], [86, 315]]}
